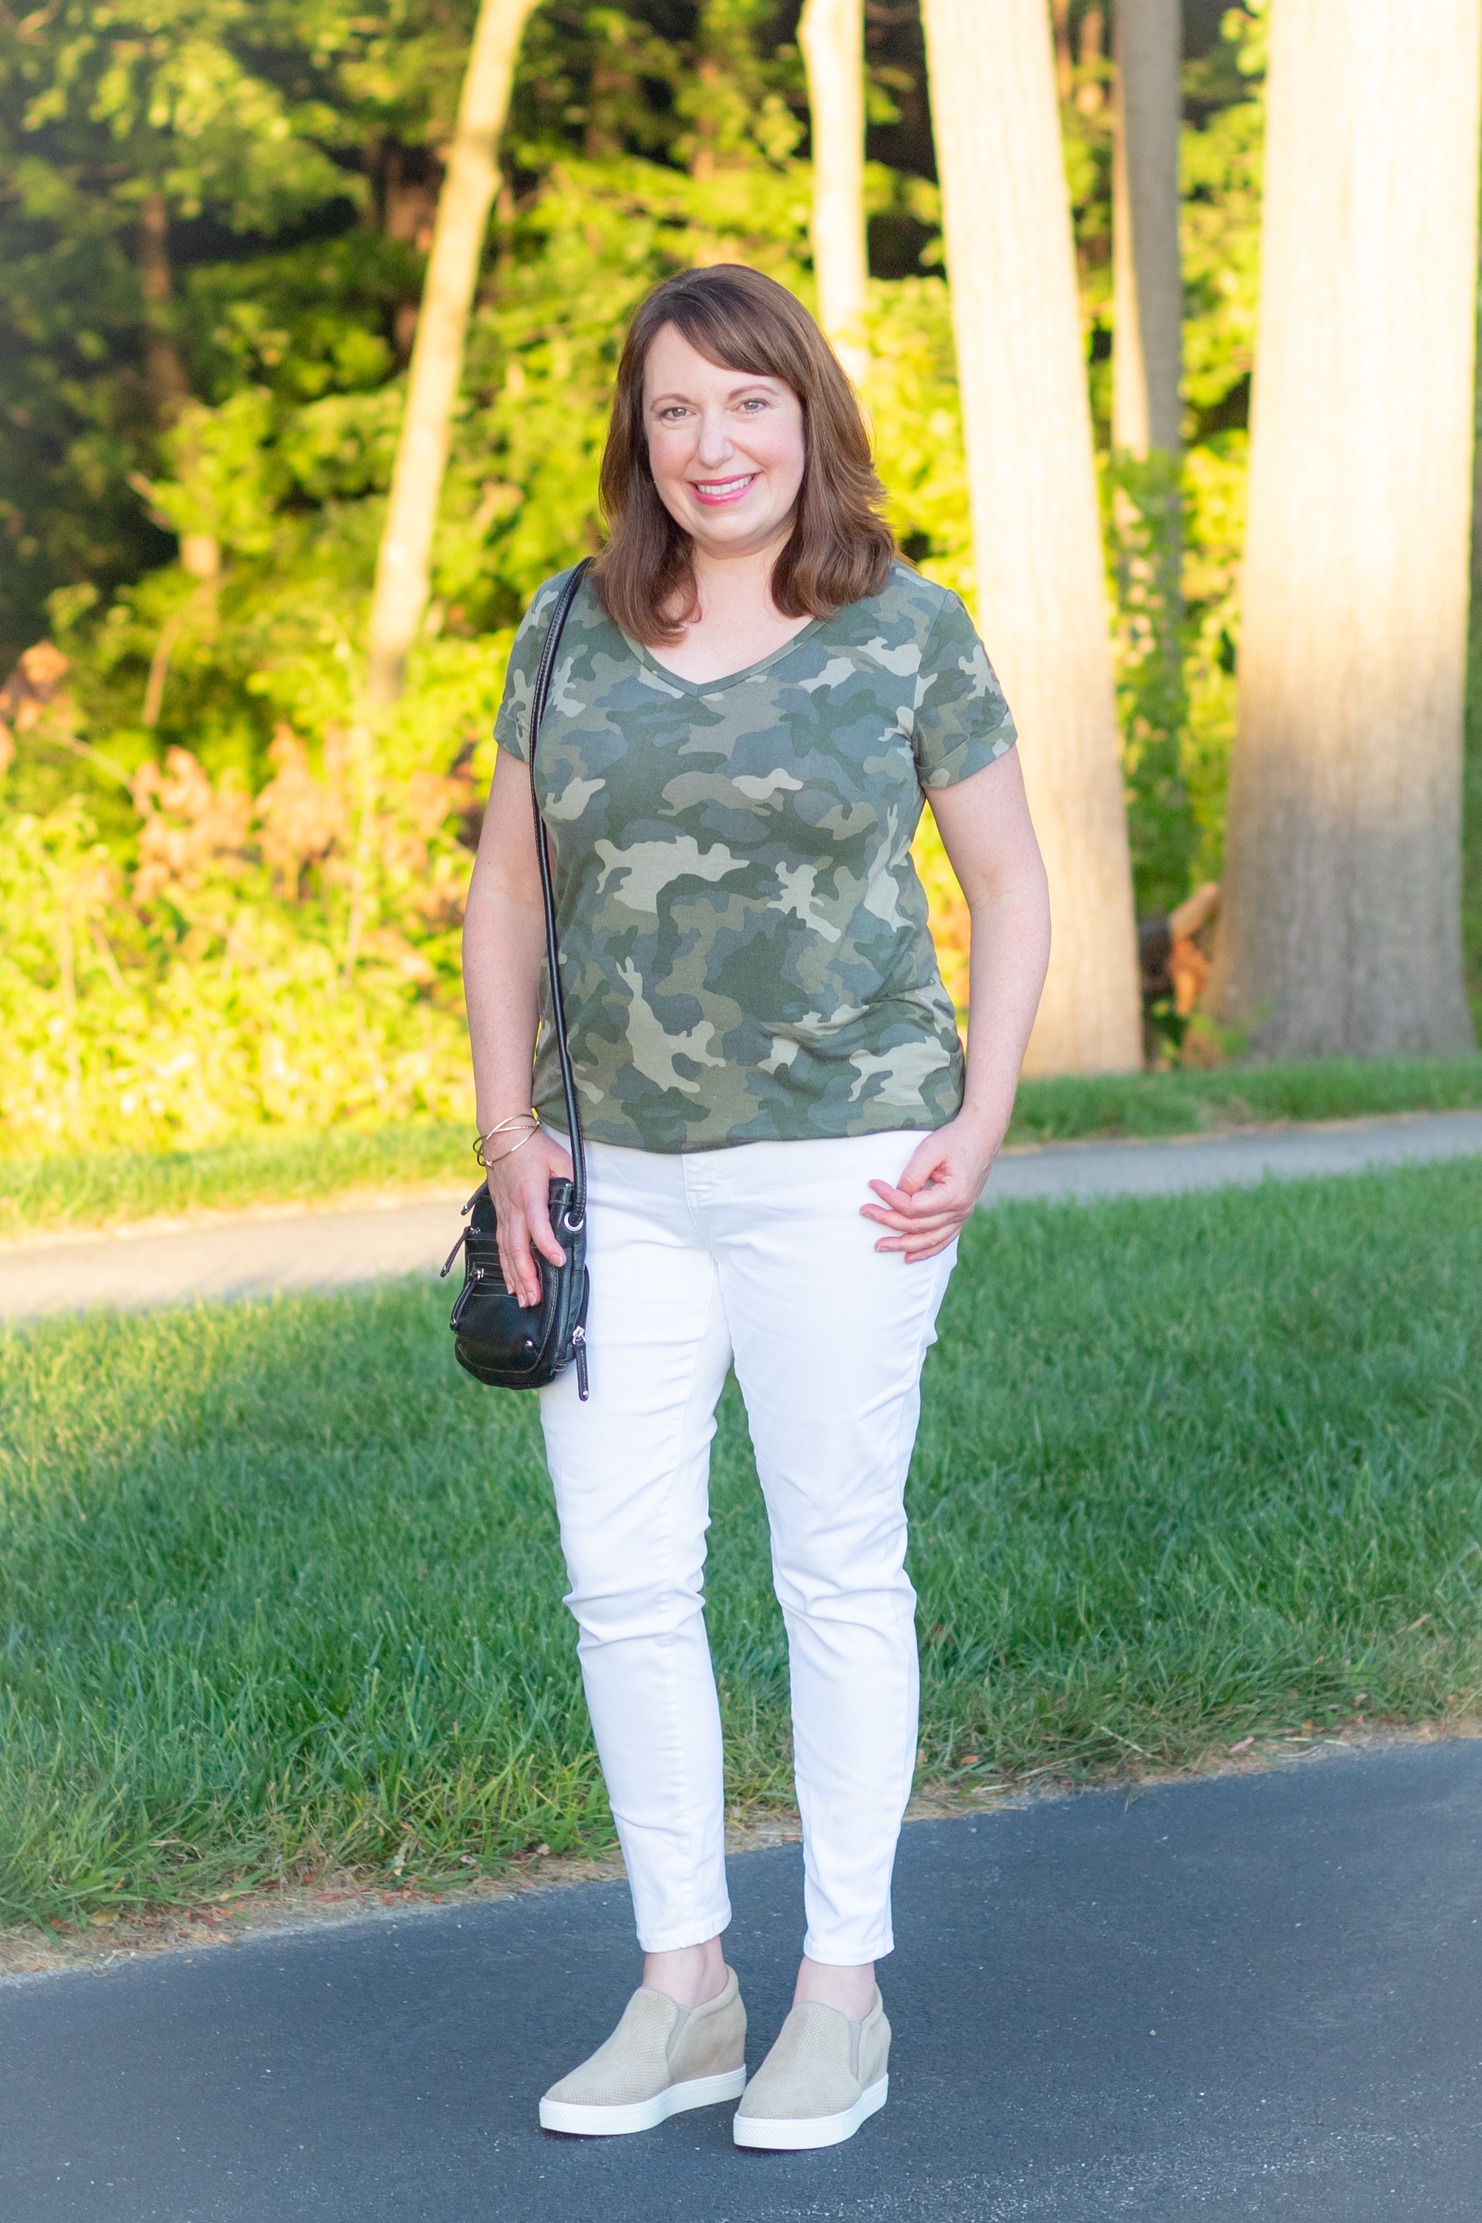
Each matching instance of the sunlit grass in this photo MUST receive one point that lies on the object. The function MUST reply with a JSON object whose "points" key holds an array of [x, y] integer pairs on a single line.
{"points": [[280, 1589], [286, 1166], [1190, 1102], [289, 1166]]}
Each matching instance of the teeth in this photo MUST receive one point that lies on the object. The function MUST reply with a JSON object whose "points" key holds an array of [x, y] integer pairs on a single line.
{"points": [[724, 486]]}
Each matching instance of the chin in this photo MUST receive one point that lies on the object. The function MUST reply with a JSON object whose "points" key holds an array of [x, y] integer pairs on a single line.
{"points": [[744, 522]]}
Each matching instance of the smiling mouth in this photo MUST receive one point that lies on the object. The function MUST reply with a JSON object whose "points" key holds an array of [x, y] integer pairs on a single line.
{"points": [[721, 490]]}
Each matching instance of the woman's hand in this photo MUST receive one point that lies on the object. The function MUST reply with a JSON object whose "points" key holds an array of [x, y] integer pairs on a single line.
{"points": [[518, 1183], [937, 1193], [984, 824]]}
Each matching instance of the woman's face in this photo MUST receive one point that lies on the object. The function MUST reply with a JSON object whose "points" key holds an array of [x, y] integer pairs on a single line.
{"points": [[726, 448]]}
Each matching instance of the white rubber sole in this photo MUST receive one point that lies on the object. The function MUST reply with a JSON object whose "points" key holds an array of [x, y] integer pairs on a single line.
{"points": [[795, 2133], [621, 2121]]}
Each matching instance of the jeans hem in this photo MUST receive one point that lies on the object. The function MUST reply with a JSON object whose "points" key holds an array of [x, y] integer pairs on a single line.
{"points": [[698, 1932], [848, 1955]]}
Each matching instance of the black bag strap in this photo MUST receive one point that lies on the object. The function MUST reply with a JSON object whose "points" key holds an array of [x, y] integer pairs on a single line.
{"points": [[539, 695]]}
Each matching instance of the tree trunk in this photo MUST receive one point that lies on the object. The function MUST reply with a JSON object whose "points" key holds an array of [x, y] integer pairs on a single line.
{"points": [[1064, 58], [1091, 94], [1036, 523], [169, 391], [1340, 930], [1148, 281], [831, 35], [164, 373], [1147, 504], [402, 564]]}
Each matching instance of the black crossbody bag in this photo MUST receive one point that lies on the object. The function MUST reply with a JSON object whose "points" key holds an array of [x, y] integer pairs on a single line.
{"points": [[497, 1339]]}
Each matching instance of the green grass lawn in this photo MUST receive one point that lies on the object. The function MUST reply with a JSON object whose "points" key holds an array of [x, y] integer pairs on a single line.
{"points": [[287, 1167], [1190, 1103], [280, 1588]]}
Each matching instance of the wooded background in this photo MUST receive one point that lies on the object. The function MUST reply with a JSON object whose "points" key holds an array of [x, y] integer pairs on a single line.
{"points": [[282, 286]]}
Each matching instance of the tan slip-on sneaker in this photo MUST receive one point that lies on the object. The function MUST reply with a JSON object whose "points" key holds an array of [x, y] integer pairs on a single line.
{"points": [[822, 2079], [661, 2059]]}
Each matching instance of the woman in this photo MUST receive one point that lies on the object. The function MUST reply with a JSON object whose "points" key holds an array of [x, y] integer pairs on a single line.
{"points": [[752, 693]]}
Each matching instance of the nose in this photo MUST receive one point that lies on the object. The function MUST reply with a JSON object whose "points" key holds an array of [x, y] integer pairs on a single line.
{"points": [[714, 445]]}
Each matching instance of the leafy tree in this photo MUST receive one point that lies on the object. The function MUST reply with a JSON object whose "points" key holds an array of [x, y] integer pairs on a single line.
{"points": [[117, 121], [179, 694]]}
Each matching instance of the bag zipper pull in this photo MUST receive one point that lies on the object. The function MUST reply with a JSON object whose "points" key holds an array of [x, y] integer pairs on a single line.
{"points": [[579, 1344], [453, 1253]]}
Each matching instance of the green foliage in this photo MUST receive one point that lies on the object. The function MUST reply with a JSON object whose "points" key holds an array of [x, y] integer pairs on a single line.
{"points": [[282, 1589], [1173, 539], [196, 451], [1221, 164], [245, 971], [1144, 531], [316, 982], [210, 108], [1221, 231]]}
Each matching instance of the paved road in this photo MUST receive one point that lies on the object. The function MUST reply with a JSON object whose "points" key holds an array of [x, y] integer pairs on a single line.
{"points": [[251, 1257], [226, 1258], [1253, 1997]]}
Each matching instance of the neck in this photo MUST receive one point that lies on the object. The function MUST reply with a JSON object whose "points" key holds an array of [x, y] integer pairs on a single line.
{"points": [[744, 578]]}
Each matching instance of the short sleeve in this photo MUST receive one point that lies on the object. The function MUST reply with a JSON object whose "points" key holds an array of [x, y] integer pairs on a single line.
{"points": [[512, 721], [962, 721]]}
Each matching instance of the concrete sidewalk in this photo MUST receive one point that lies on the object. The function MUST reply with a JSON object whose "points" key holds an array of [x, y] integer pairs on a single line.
{"points": [[1244, 1158], [246, 1257], [253, 1256], [1247, 1997]]}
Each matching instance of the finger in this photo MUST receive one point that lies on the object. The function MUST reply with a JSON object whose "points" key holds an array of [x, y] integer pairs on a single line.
{"points": [[889, 1194], [950, 1196], [910, 1209], [933, 1250], [898, 1194], [905, 1194], [925, 1213], [912, 1253], [541, 1233], [520, 1276], [906, 1238], [928, 1164]]}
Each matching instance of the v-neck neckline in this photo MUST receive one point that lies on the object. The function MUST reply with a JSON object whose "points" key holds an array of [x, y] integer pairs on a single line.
{"points": [[702, 687]]}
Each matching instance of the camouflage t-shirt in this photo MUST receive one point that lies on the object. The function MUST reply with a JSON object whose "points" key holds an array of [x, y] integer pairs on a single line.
{"points": [[744, 945]]}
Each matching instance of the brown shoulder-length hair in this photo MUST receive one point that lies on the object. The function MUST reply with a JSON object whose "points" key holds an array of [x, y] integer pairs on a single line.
{"points": [[840, 549]]}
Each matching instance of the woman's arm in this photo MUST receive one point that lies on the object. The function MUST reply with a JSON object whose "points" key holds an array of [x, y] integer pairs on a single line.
{"points": [[503, 948], [989, 839]]}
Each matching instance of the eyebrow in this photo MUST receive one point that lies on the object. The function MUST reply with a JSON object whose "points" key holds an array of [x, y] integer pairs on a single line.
{"points": [[747, 385]]}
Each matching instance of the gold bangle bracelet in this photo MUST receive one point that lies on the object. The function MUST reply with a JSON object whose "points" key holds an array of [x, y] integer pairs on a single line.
{"points": [[514, 1146], [502, 1127]]}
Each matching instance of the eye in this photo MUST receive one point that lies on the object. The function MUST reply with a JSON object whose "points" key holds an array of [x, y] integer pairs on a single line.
{"points": [[754, 402]]}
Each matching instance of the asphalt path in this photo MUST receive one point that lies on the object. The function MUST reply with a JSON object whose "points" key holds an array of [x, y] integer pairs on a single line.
{"points": [[247, 1257], [1243, 1159], [1253, 1996]]}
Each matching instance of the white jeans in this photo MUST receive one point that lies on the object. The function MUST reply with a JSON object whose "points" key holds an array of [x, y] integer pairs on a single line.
{"points": [[758, 1256]]}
